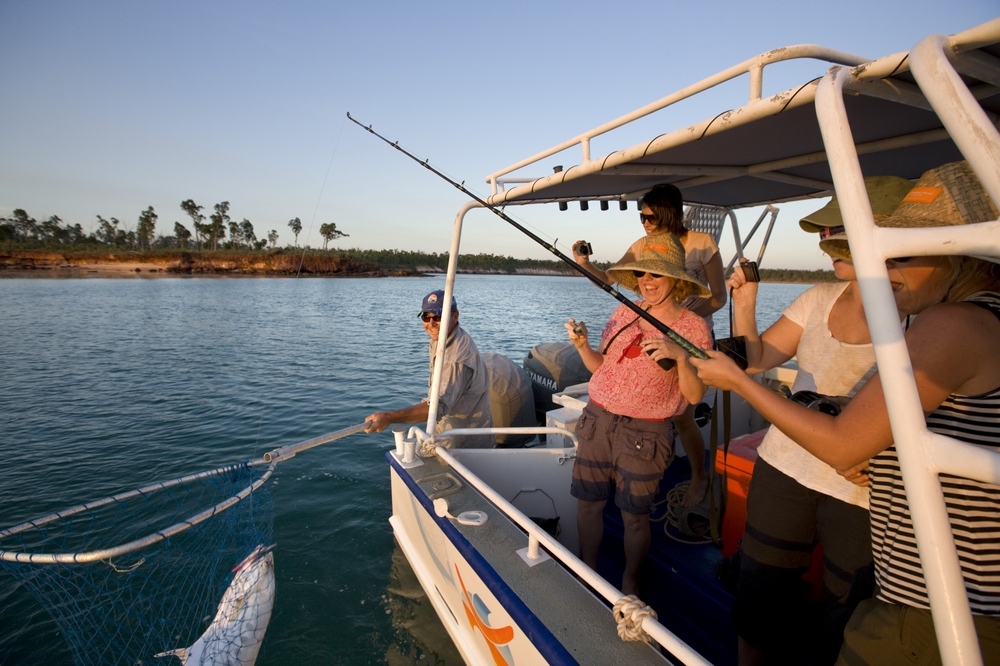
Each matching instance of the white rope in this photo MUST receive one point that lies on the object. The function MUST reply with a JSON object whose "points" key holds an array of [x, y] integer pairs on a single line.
{"points": [[674, 501], [629, 612]]}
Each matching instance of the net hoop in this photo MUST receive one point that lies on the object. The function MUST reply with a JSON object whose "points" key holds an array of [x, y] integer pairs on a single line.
{"points": [[142, 542]]}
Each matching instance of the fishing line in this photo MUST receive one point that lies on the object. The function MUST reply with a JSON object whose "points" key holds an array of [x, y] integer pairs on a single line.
{"points": [[688, 346], [312, 222]]}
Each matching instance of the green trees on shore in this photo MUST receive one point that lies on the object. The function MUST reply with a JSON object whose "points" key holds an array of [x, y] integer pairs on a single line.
{"points": [[21, 231]]}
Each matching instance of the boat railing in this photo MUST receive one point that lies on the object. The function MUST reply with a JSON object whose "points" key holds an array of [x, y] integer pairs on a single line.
{"points": [[753, 66], [712, 219], [877, 78], [922, 455], [420, 435], [538, 538]]}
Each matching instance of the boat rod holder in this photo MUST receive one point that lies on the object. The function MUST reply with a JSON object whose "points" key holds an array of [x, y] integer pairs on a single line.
{"points": [[685, 344]]}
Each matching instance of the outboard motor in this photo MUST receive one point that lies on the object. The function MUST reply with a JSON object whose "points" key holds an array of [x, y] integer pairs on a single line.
{"points": [[512, 403], [553, 366]]}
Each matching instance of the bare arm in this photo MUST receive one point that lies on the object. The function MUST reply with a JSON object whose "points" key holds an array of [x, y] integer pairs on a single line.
{"points": [[779, 342], [692, 388], [717, 285], [952, 349], [591, 359], [412, 414], [584, 261]]}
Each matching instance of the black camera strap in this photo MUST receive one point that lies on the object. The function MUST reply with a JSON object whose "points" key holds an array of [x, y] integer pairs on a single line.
{"points": [[619, 332], [734, 346]]}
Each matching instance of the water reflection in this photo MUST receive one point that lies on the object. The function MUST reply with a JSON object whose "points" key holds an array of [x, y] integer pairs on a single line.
{"points": [[419, 634]]}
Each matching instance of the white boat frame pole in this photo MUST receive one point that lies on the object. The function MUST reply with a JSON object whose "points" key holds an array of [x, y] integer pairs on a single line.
{"points": [[919, 451], [449, 291]]}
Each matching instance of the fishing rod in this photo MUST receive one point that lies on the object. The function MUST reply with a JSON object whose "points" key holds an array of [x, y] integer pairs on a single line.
{"points": [[685, 344]]}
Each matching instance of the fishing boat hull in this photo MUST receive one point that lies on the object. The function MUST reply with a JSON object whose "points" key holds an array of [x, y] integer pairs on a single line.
{"points": [[498, 607]]}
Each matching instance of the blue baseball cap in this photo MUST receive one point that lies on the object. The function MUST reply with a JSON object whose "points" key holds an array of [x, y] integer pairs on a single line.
{"points": [[433, 301]]}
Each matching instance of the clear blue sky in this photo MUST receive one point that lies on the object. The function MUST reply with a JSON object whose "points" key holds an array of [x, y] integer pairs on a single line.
{"points": [[110, 107]]}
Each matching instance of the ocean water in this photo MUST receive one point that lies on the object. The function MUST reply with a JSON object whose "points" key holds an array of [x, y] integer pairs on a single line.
{"points": [[110, 384]]}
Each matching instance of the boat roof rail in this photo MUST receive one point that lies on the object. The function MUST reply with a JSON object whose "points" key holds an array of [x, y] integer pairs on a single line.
{"points": [[771, 150], [753, 66]]}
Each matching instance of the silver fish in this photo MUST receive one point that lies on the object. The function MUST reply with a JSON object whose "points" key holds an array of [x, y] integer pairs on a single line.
{"points": [[235, 635]]}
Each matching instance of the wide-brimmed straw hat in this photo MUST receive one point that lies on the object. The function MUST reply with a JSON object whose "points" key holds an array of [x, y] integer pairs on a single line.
{"points": [[661, 254], [946, 196]]}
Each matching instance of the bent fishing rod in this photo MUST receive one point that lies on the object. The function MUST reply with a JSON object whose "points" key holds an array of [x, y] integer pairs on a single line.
{"points": [[685, 344]]}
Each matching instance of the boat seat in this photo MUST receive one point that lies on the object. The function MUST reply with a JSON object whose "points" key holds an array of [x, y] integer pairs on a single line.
{"points": [[706, 219]]}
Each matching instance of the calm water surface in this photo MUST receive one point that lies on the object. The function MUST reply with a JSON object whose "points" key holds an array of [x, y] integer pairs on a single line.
{"points": [[110, 384]]}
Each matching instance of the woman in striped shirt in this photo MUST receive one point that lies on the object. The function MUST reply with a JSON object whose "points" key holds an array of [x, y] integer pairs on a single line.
{"points": [[955, 354]]}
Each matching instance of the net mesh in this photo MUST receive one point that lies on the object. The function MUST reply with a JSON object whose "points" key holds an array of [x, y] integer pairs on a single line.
{"points": [[160, 597]]}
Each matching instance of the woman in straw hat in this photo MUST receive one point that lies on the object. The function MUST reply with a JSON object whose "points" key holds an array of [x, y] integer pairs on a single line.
{"points": [[796, 500], [956, 364], [625, 431], [662, 211]]}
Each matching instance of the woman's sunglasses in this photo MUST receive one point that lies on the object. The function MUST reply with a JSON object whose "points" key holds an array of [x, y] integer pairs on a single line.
{"points": [[639, 274], [644, 218]]}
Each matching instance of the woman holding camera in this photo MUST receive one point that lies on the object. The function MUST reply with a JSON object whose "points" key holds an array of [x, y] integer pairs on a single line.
{"points": [[662, 211], [796, 499], [956, 365], [625, 434]]}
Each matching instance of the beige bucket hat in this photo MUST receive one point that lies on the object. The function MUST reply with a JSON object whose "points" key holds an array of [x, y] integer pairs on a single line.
{"points": [[661, 254], [884, 194], [948, 195]]}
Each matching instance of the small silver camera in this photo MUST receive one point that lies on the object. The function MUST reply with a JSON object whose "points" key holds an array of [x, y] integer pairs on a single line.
{"points": [[583, 248]]}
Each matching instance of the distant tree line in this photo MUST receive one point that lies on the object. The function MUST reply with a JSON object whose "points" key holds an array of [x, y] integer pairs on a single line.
{"points": [[218, 230], [408, 259], [793, 275], [22, 231]]}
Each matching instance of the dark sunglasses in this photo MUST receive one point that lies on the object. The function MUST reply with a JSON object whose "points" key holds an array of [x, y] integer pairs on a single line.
{"points": [[428, 317], [899, 260], [648, 218], [639, 274]]}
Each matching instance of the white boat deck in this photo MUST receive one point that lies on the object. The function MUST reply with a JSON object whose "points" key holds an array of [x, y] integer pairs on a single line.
{"points": [[575, 617]]}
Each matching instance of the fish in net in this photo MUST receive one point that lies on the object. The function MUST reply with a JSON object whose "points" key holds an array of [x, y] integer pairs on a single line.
{"points": [[175, 572]]}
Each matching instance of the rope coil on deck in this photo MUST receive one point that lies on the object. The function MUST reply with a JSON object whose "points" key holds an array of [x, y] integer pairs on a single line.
{"points": [[629, 612]]}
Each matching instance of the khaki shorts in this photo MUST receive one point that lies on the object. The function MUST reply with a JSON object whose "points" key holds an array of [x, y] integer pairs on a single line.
{"points": [[632, 453], [883, 633]]}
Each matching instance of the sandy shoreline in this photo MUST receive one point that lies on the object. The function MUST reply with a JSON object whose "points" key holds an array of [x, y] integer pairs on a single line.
{"points": [[52, 265], [87, 270]]}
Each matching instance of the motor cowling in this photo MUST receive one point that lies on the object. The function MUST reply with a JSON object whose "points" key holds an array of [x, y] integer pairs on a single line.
{"points": [[551, 367], [512, 402]]}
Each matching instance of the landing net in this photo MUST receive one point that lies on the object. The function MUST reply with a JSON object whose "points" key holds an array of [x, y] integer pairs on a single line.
{"points": [[131, 576]]}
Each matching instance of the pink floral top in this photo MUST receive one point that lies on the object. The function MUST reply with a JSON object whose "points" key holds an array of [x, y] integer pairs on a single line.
{"points": [[629, 382]]}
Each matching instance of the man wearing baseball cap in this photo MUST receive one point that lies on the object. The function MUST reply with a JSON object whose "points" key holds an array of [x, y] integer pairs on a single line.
{"points": [[464, 397]]}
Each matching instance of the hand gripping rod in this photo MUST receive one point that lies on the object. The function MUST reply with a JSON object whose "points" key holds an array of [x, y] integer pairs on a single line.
{"points": [[686, 345]]}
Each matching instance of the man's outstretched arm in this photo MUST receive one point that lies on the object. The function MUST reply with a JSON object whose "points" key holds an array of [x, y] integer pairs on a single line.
{"points": [[412, 414]]}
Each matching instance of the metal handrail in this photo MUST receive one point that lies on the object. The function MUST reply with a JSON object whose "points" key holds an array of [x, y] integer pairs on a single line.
{"points": [[657, 631], [753, 66], [869, 78]]}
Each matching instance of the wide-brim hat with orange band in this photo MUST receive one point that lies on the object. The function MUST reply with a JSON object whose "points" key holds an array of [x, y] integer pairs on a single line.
{"points": [[661, 254], [947, 196]]}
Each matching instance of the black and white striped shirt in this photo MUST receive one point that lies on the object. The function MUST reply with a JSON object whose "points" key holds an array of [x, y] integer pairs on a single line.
{"points": [[973, 507]]}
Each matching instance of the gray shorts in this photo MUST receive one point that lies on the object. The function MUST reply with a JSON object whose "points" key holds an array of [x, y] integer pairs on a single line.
{"points": [[632, 453]]}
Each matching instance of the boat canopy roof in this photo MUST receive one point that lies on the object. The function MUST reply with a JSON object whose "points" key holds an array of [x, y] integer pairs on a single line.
{"points": [[771, 149]]}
